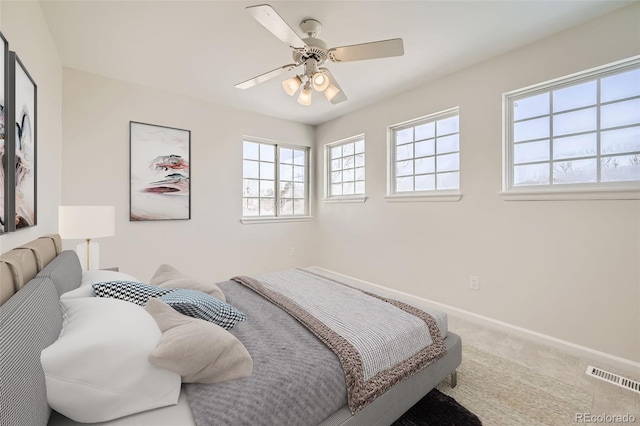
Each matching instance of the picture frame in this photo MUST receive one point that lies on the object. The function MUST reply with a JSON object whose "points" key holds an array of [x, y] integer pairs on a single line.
{"points": [[23, 142], [6, 187], [159, 172]]}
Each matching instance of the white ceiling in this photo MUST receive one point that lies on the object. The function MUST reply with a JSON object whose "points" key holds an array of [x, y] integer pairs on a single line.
{"points": [[203, 48]]}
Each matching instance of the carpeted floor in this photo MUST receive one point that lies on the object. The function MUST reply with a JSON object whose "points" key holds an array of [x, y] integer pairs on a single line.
{"points": [[437, 409]]}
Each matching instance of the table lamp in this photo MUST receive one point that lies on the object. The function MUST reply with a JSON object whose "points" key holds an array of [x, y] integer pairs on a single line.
{"points": [[87, 223]]}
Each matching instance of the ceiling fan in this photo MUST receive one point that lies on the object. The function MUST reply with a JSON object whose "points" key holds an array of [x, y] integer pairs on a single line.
{"points": [[311, 53]]}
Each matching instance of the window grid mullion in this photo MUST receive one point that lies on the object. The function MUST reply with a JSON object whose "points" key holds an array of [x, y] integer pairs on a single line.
{"points": [[551, 137], [598, 130]]}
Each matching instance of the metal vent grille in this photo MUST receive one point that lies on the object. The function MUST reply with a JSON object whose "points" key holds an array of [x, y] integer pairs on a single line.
{"points": [[623, 382]]}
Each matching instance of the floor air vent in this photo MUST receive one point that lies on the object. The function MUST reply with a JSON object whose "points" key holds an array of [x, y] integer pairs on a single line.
{"points": [[623, 382]]}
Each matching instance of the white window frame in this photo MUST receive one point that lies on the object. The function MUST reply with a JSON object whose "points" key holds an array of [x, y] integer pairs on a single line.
{"points": [[277, 217], [429, 195], [572, 191], [351, 198]]}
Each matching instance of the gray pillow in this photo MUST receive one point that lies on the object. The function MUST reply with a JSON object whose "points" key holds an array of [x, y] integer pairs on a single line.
{"points": [[169, 277], [199, 351]]}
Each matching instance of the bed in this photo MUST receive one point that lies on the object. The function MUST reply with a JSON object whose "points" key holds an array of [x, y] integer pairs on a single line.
{"points": [[296, 378]]}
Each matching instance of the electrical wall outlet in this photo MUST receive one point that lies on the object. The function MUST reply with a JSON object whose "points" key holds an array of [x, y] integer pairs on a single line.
{"points": [[474, 282], [293, 251]]}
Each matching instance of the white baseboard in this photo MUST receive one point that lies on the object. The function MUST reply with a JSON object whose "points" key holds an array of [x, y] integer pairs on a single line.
{"points": [[623, 364]]}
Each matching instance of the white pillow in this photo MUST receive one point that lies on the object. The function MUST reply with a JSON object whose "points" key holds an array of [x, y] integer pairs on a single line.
{"points": [[98, 369], [91, 277]]}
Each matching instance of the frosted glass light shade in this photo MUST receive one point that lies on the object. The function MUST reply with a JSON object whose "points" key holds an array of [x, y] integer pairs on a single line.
{"points": [[331, 92], [291, 85], [320, 82], [86, 222], [305, 96]]}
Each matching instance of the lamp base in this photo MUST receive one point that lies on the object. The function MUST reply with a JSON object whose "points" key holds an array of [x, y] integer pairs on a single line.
{"points": [[94, 256]]}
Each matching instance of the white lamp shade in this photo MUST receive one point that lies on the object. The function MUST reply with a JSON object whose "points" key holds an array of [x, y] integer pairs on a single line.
{"points": [[331, 92], [305, 96], [291, 85], [320, 82], [84, 222]]}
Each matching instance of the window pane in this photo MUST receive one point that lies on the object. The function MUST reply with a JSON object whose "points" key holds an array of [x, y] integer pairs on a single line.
{"points": [[532, 106], [250, 207], [267, 171], [575, 146], [336, 164], [359, 174], [347, 162], [286, 172], [448, 180], [299, 207], [348, 148], [298, 174], [336, 189], [620, 114], [425, 131], [404, 136], [583, 120], [359, 160], [286, 207], [531, 152], [359, 146], [422, 149], [250, 169], [267, 152], [267, 188], [348, 188], [404, 184], [575, 171], [298, 157], [286, 156], [286, 189], [531, 129], [250, 150], [347, 175], [404, 168], [448, 144], [298, 190], [359, 188], [426, 183], [267, 207], [446, 126], [532, 174], [620, 168], [250, 188], [404, 151], [336, 151], [580, 95], [425, 165], [448, 162], [336, 177], [620, 141], [619, 86]]}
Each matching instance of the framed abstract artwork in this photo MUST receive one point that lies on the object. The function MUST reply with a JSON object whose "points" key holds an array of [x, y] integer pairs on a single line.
{"points": [[6, 191], [23, 94], [160, 172]]}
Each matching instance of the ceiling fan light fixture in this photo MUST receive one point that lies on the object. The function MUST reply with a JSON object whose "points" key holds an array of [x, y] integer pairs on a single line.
{"points": [[291, 85], [331, 91], [305, 95], [320, 81]]}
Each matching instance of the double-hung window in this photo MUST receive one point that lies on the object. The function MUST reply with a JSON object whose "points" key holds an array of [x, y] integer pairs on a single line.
{"points": [[275, 179], [345, 169], [576, 134], [424, 156]]}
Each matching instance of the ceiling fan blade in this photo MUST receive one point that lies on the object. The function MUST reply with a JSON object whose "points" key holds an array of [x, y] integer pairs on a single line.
{"points": [[270, 19], [340, 96], [373, 50], [264, 77]]}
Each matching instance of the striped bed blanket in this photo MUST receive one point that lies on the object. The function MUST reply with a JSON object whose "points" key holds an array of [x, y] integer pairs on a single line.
{"points": [[378, 341]]}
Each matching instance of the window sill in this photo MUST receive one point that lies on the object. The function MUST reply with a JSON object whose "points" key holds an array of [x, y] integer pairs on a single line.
{"points": [[356, 199], [422, 197], [262, 219], [571, 194]]}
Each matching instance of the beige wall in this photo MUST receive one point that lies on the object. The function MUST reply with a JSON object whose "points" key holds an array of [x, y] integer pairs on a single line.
{"points": [[213, 243], [23, 25], [568, 269]]}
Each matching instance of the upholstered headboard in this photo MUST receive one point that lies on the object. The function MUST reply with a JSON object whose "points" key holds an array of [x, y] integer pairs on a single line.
{"points": [[21, 264]]}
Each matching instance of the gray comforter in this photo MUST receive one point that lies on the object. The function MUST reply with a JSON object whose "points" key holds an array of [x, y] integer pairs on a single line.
{"points": [[296, 379]]}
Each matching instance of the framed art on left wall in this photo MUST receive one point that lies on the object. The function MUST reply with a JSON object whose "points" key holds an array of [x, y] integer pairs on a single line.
{"points": [[23, 140], [6, 186]]}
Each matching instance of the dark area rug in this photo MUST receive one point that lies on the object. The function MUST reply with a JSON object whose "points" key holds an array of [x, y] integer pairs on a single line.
{"points": [[437, 409]]}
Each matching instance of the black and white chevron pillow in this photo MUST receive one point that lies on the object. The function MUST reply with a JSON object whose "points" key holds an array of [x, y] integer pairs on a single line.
{"points": [[129, 291]]}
